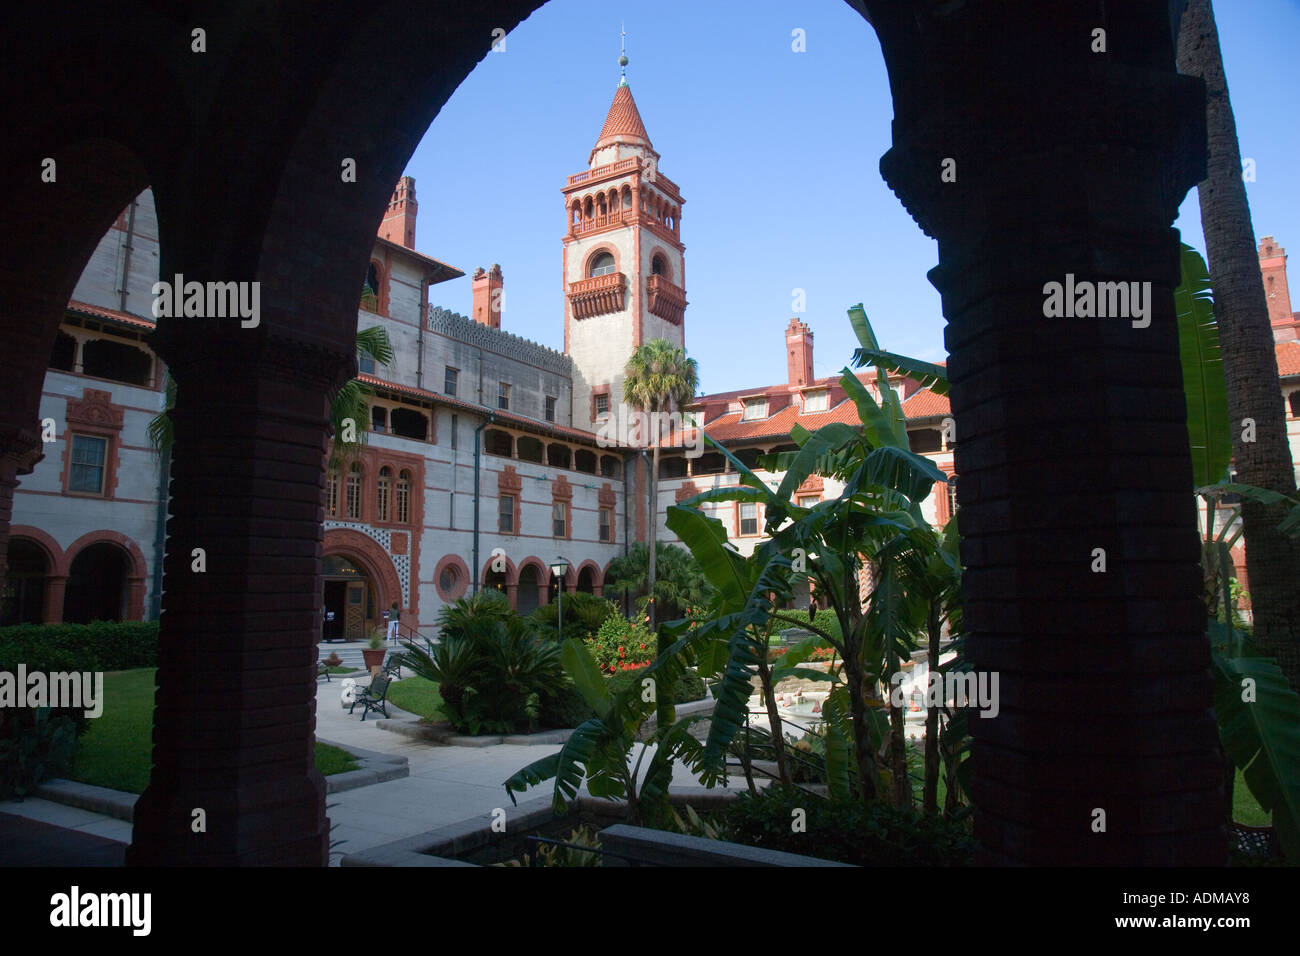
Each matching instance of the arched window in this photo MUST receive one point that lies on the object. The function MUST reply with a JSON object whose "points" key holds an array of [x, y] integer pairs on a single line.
{"points": [[404, 497], [587, 208], [601, 209], [383, 499], [659, 266], [602, 265], [353, 500], [627, 198], [370, 289], [332, 494]]}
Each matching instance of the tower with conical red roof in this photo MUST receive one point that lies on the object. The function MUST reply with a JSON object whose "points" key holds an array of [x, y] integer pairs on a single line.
{"points": [[624, 262]]}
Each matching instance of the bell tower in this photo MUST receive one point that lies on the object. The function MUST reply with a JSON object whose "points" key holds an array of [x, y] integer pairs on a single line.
{"points": [[624, 262]]}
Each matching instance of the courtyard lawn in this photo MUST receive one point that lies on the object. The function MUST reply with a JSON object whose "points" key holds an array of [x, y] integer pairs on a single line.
{"points": [[416, 695], [116, 752]]}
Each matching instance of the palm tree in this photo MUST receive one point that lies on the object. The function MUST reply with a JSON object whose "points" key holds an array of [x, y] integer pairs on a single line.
{"points": [[657, 378], [349, 404], [679, 583], [1246, 342]]}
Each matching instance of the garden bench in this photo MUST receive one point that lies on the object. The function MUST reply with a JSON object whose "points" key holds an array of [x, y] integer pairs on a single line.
{"points": [[392, 667], [372, 697]]}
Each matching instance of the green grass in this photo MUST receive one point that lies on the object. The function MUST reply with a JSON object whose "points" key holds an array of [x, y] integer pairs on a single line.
{"points": [[116, 752], [1245, 808], [417, 695]]}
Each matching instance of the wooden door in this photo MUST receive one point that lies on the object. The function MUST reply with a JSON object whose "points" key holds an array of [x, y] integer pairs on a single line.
{"points": [[355, 616]]}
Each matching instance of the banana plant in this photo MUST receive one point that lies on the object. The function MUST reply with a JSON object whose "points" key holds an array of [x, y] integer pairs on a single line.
{"points": [[599, 750], [875, 521]]}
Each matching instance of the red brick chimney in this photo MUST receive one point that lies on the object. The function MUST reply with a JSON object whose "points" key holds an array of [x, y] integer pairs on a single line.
{"points": [[399, 222], [799, 353], [1272, 266], [488, 296]]}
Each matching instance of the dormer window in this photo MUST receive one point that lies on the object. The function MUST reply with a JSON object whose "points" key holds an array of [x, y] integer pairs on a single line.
{"points": [[816, 401], [755, 408], [602, 265]]}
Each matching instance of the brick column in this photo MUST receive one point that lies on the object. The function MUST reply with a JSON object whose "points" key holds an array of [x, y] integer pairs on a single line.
{"points": [[56, 588], [1071, 431], [235, 717], [20, 450]]}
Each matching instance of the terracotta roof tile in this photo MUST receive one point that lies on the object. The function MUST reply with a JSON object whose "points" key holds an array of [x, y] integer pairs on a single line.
{"points": [[1288, 358], [84, 308], [926, 404], [623, 123]]}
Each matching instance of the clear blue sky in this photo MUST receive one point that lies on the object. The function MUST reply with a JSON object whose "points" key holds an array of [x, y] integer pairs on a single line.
{"points": [[776, 154]]}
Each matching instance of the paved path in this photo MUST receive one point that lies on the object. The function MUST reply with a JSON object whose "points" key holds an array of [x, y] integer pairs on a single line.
{"points": [[446, 784]]}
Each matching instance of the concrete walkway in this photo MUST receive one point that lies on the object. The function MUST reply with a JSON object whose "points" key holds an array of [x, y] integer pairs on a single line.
{"points": [[446, 784]]}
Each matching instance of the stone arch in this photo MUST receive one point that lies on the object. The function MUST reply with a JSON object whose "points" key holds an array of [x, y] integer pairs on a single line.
{"points": [[597, 576], [462, 581], [594, 252], [137, 569], [371, 556], [53, 553]]}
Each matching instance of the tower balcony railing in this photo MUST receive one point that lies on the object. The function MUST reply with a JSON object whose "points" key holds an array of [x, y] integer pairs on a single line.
{"points": [[609, 169], [665, 299], [597, 295], [603, 221]]}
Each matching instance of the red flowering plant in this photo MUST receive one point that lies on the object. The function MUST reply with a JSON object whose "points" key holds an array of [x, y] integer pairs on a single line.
{"points": [[621, 645]]}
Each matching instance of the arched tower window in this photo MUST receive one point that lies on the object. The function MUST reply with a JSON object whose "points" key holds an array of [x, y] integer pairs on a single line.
{"points": [[659, 266], [602, 265]]}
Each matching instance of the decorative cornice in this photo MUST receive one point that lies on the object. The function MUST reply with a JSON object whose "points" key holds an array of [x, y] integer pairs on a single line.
{"points": [[561, 490], [95, 408], [509, 481], [606, 496]]}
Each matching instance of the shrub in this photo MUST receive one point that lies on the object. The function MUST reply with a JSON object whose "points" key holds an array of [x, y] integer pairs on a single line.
{"points": [[850, 832], [583, 615], [100, 646], [564, 708], [688, 687], [491, 680], [35, 744], [619, 644]]}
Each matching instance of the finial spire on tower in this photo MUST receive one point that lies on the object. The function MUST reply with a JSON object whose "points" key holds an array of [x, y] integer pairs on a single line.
{"points": [[622, 58]]}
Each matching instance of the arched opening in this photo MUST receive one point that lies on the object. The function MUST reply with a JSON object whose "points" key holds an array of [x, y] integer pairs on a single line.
{"points": [[496, 442], [587, 580], [65, 352], [710, 463], [496, 580], [408, 423], [602, 264], [117, 361], [558, 456], [350, 603], [24, 583], [584, 460], [609, 466], [672, 466], [530, 449], [97, 585], [526, 592], [659, 266]]}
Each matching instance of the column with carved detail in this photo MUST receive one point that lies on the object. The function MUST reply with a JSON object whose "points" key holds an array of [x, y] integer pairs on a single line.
{"points": [[1065, 163], [235, 713]]}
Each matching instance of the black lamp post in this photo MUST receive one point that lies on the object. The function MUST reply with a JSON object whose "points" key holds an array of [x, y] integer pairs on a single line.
{"points": [[560, 567]]}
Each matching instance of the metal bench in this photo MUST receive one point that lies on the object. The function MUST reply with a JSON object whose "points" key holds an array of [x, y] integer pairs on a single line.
{"points": [[372, 697]]}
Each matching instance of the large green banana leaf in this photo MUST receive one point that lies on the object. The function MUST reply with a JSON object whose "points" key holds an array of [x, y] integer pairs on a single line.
{"points": [[1261, 736], [1203, 382]]}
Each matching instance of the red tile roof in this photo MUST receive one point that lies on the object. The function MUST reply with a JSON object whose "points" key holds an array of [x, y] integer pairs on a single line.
{"points": [[926, 404], [623, 123], [112, 315], [1288, 358]]}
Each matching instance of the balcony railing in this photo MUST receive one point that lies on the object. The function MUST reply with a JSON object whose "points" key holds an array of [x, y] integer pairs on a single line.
{"points": [[597, 295], [666, 300]]}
